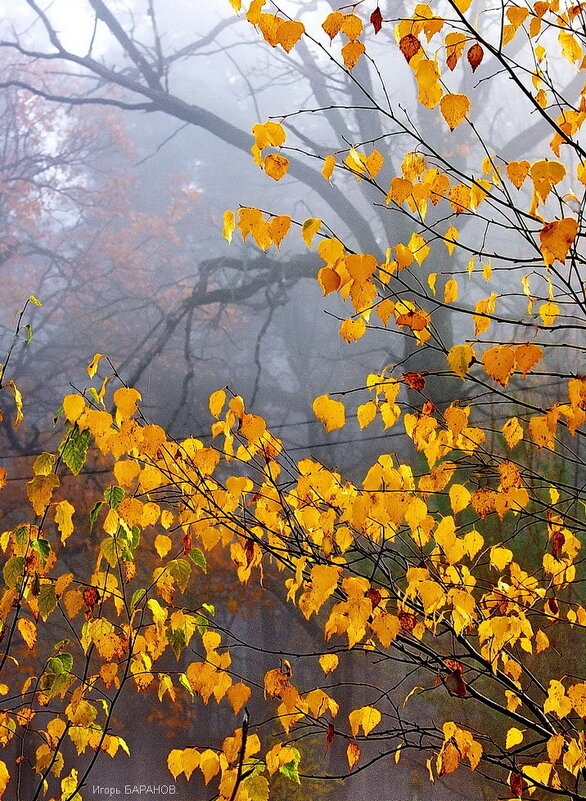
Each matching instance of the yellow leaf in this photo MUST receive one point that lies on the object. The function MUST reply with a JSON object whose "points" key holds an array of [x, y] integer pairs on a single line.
{"points": [[499, 363], [351, 330], [278, 228], [309, 229], [276, 166], [351, 52], [28, 631], [238, 694], [517, 172], [328, 168], [352, 754], [527, 356], [556, 239], [175, 762], [163, 545], [366, 717], [63, 514], [216, 402], [229, 220], [73, 406], [549, 312], [4, 778], [44, 464], [125, 400], [460, 358], [17, 395], [514, 737], [454, 109], [92, 367], [512, 432], [366, 413], [571, 48], [459, 497], [500, 557], [289, 32], [330, 412], [451, 291], [351, 26], [328, 663], [333, 23], [39, 491]]}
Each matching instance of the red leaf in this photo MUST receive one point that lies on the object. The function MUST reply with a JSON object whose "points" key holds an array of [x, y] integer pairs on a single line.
{"points": [[516, 784], [475, 56], [330, 736], [414, 380], [409, 45], [376, 19]]}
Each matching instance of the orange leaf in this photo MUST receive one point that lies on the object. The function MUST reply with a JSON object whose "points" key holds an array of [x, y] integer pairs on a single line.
{"points": [[557, 238], [330, 412], [499, 363], [454, 109]]}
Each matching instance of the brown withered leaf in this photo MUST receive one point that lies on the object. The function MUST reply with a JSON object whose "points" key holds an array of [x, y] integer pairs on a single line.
{"points": [[414, 380], [516, 784]]}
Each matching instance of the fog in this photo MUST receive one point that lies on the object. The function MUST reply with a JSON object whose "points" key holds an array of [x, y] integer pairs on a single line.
{"points": [[112, 204]]}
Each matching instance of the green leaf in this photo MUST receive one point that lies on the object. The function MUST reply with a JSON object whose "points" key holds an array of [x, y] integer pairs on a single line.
{"points": [[184, 682], [110, 551], [21, 536], [29, 334], [210, 609], [12, 571], [42, 547], [62, 663], [198, 559], [47, 600], [95, 512], [180, 569], [137, 595], [177, 639], [113, 496], [291, 769], [74, 448]]}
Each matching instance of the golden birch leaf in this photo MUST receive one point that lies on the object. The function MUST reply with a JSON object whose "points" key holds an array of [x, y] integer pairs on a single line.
{"points": [[352, 754], [92, 367], [216, 402], [28, 631], [4, 778], [276, 166], [454, 109], [17, 395], [352, 330], [351, 53], [330, 412], [459, 497], [73, 406], [514, 737], [527, 356], [351, 26], [309, 229], [499, 363], [238, 694], [512, 432], [549, 312], [278, 228], [328, 168], [328, 663], [556, 239], [125, 400], [460, 357], [366, 413], [333, 23], [366, 717], [163, 545], [63, 514], [175, 762], [229, 223], [289, 32], [451, 291], [517, 171]]}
